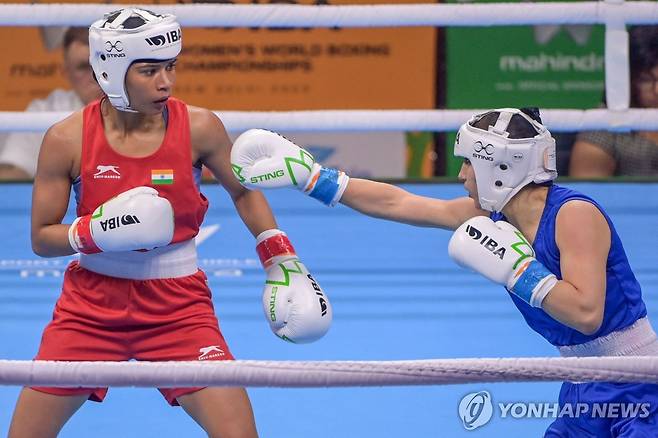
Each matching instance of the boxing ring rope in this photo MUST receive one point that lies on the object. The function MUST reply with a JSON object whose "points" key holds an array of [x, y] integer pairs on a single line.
{"points": [[615, 14], [328, 374], [279, 15], [374, 120]]}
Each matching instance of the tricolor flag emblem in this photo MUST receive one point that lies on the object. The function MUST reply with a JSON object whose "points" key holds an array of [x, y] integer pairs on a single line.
{"points": [[162, 176]]}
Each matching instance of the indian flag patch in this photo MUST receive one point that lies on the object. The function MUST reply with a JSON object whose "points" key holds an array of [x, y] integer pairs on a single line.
{"points": [[162, 176]]}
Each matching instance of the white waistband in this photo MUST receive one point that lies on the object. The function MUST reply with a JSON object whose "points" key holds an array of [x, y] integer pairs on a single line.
{"points": [[171, 261], [638, 339]]}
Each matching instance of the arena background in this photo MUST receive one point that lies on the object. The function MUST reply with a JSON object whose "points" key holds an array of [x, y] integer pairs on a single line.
{"points": [[550, 66]]}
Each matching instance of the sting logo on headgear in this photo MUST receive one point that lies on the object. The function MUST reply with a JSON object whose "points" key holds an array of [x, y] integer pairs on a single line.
{"points": [[480, 147], [117, 45], [168, 38], [488, 149]]}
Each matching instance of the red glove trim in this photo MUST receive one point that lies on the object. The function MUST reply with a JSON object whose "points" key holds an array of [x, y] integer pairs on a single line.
{"points": [[271, 247], [82, 235]]}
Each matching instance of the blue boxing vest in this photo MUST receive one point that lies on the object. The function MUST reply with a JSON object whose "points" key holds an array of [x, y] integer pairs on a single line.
{"points": [[623, 300]]}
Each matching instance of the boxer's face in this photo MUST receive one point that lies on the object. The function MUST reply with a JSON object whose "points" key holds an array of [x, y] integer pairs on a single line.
{"points": [[150, 84], [467, 176]]}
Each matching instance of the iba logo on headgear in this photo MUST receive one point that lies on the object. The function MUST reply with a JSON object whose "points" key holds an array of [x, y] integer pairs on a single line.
{"points": [[475, 409], [168, 38]]}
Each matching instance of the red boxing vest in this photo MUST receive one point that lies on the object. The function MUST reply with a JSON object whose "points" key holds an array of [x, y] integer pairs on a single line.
{"points": [[105, 173]]}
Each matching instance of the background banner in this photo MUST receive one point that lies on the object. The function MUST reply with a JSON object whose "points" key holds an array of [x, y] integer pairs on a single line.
{"points": [[549, 66], [268, 69]]}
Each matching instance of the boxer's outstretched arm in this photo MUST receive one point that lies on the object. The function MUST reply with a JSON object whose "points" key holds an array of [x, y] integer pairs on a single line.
{"points": [[265, 160], [387, 201]]}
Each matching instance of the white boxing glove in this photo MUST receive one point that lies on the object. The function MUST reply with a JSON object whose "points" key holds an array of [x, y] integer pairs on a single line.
{"points": [[263, 159], [135, 219], [295, 306], [499, 251]]}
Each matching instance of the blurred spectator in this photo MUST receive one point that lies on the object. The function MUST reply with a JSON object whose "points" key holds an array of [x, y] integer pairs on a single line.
{"points": [[603, 153], [18, 157]]}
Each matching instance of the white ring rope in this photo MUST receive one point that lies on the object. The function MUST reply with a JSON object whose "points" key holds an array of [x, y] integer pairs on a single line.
{"points": [[213, 15], [374, 120], [322, 374]]}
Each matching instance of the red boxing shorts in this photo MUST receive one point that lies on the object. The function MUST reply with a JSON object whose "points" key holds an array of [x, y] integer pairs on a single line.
{"points": [[101, 318]]}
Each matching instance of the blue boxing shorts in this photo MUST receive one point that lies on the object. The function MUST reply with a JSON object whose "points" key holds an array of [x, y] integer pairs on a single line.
{"points": [[606, 410]]}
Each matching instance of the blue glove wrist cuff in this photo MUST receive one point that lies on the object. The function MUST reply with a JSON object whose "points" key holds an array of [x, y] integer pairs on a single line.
{"points": [[326, 186], [529, 279]]}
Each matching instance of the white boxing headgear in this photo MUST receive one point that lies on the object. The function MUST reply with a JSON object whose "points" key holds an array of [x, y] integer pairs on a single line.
{"points": [[126, 36], [504, 162]]}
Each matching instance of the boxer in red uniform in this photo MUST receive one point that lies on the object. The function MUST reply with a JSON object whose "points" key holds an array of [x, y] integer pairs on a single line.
{"points": [[134, 161]]}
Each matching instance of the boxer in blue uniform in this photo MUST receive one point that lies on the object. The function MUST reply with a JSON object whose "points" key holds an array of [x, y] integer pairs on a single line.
{"points": [[555, 250]]}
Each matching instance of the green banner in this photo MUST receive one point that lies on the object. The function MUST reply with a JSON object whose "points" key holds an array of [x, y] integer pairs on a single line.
{"points": [[548, 66]]}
